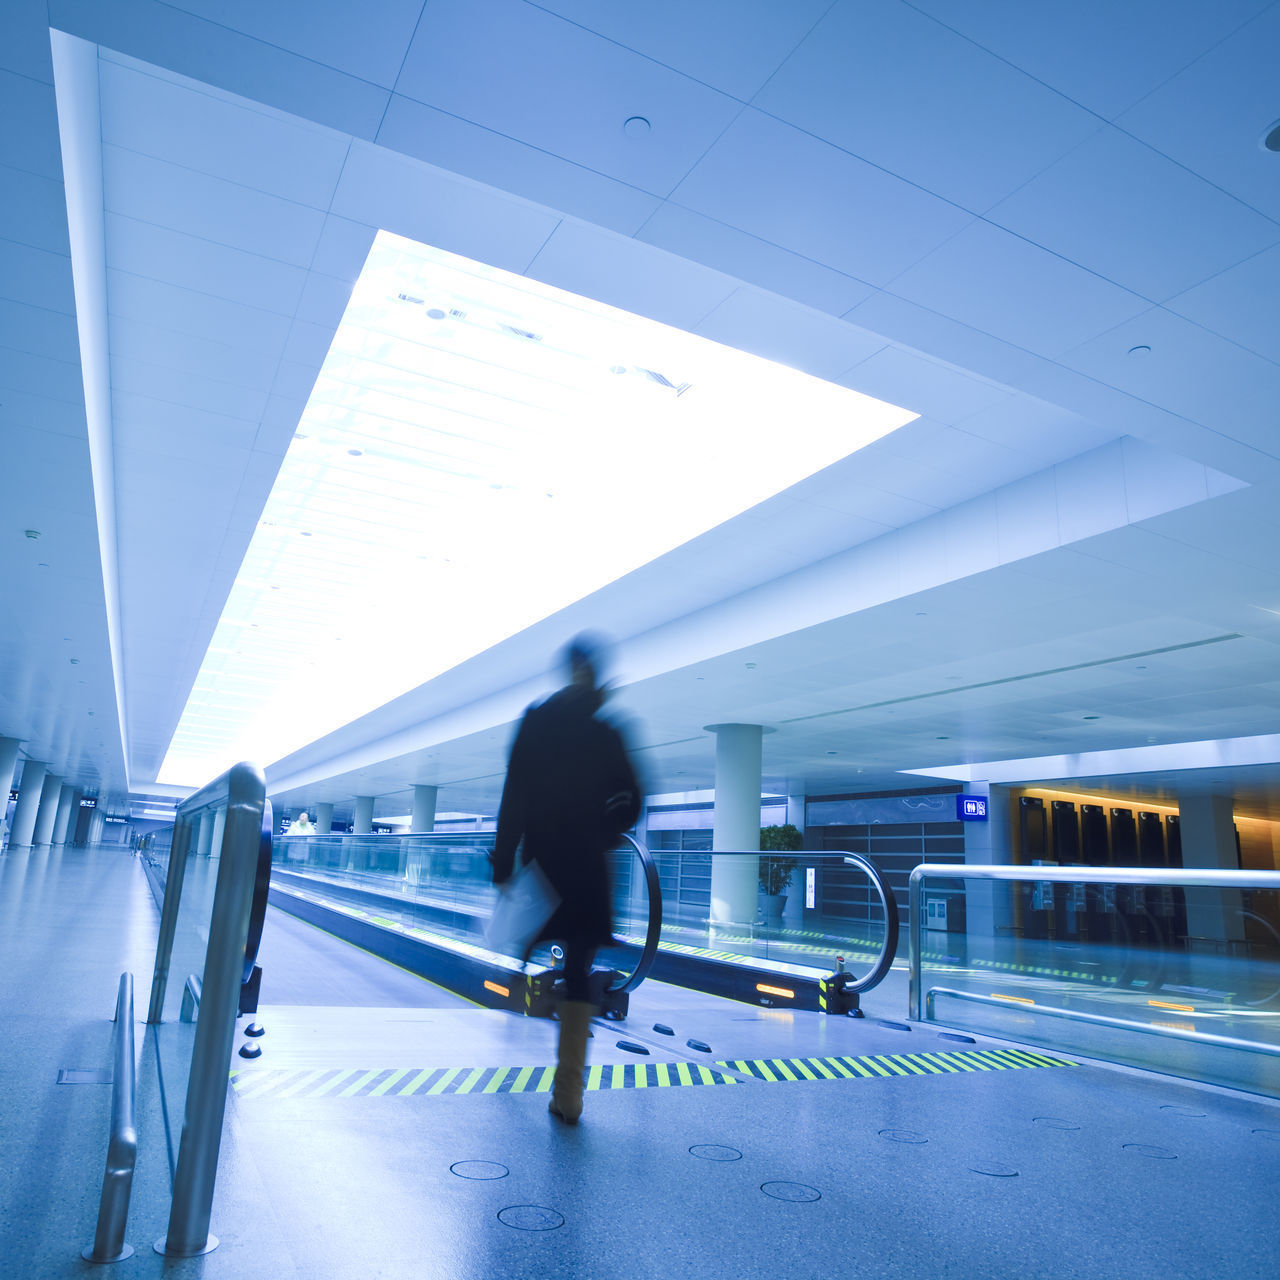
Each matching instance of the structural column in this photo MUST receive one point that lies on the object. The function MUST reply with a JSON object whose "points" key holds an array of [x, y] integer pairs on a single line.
{"points": [[63, 820], [989, 903], [735, 881], [8, 765], [47, 813], [424, 810], [324, 819], [204, 836], [24, 816], [219, 826], [1207, 823], [363, 823], [97, 820]]}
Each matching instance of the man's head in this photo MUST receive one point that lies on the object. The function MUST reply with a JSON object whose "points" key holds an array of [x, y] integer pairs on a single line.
{"points": [[585, 660]]}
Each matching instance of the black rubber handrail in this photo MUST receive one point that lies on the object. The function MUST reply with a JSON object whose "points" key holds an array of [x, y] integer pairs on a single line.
{"points": [[889, 901], [653, 934]]}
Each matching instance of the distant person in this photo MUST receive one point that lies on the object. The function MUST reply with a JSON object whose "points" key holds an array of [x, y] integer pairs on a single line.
{"points": [[302, 826], [570, 793]]}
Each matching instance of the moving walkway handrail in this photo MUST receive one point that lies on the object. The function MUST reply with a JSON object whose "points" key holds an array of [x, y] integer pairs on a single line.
{"points": [[122, 1146], [889, 901], [1180, 877], [653, 934]]}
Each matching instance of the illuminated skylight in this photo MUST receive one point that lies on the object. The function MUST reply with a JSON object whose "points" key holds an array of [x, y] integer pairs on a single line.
{"points": [[479, 451]]}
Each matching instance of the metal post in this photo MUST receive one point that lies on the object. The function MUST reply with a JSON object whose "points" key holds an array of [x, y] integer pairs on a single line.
{"points": [[197, 1168], [916, 936], [169, 916], [122, 1148]]}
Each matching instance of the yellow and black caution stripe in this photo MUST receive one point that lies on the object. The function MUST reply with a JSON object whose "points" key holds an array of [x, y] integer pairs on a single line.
{"points": [[881, 1065], [403, 1082]]}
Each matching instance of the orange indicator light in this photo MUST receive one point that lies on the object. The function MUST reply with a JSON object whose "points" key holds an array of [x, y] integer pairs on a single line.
{"points": [[493, 986], [1164, 1004], [775, 991], [995, 995]]}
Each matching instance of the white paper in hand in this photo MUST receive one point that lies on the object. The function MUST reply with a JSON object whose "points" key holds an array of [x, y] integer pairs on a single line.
{"points": [[525, 903]]}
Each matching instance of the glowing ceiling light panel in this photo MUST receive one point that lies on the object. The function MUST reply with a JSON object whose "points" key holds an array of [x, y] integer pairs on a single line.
{"points": [[479, 451]]}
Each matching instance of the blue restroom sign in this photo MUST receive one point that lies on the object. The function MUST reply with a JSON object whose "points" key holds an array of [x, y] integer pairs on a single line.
{"points": [[971, 808]]}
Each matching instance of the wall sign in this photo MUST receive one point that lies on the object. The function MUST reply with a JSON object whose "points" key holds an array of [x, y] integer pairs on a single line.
{"points": [[971, 808], [89, 802], [810, 887]]}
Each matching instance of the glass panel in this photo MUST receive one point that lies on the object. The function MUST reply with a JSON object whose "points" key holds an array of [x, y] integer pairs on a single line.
{"points": [[1114, 971]]}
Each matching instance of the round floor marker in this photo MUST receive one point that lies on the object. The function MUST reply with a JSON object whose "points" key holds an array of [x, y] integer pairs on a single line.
{"points": [[700, 1045], [530, 1217], [1152, 1153], [793, 1192], [1190, 1112], [631, 1047], [992, 1170], [903, 1135], [479, 1170], [709, 1151], [1053, 1122], [662, 1029], [955, 1035], [893, 1026], [1271, 1135]]}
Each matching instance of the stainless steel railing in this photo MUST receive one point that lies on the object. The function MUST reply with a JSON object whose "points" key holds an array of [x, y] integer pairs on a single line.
{"points": [[243, 788], [122, 1146], [920, 1002]]}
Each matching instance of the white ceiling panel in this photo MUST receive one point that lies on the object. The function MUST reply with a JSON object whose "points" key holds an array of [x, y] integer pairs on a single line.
{"points": [[485, 155], [600, 264], [58, 417], [33, 148], [379, 188], [1104, 55], [1040, 431], [751, 259], [781, 184], [198, 315], [323, 300], [37, 277], [279, 422], [145, 423], [213, 52], [368, 42], [1242, 304], [343, 247], [732, 45], [1191, 372], [33, 211], [251, 368], [787, 333], [185, 389], [182, 125], [24, 42], [40, 376], [520, 71], [38, 330], [153, 191], [1130, 214], [294, 380], [997, 282], [1212, 116], [929, 387], [972, 129], [203, 266]]}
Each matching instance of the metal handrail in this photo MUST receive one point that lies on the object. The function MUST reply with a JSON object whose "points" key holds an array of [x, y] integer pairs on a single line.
{"points": [[1182, 877], [122, 1146], [889, 901], [245, 790]]}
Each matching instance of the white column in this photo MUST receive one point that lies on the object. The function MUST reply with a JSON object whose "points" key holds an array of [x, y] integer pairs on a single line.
{"points": [[8, 765], [988, 903], [63, 820], [796, 812], [204, 836], [219, 826], [734, 881], [47, 813], [1208, 830], [424, 809], [96, 823], [363, 823], [324, 819], [24, 816]]}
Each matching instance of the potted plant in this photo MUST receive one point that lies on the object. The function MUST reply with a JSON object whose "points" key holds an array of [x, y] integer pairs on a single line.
{"points": [[775, 869]]}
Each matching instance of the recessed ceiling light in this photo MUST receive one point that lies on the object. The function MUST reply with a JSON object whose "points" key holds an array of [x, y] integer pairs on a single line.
{"points": [[1271, 139], [75, 662], [944, 737], [831, 753], [33, 534], [356, 453], [1139, 352], [636, 127], [751, 666], [1093, 717]]}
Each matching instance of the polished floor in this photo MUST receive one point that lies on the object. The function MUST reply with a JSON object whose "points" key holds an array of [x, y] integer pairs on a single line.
{"points": [[389, 1129]]}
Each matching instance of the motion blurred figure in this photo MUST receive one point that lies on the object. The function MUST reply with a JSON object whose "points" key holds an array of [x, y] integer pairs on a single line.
{"points": [[569, 795], [301, 826]]}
